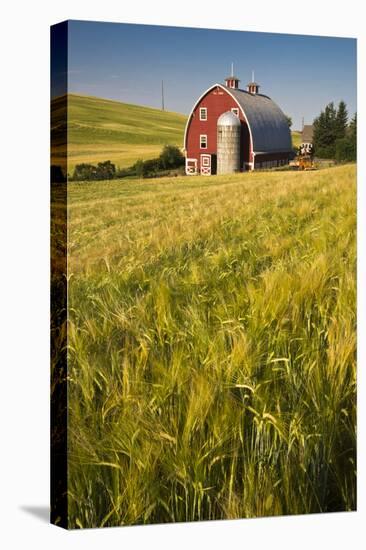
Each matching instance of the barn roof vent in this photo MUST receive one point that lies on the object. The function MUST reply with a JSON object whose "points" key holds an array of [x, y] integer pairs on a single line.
{"points": [[253, 87], [232, 81]]}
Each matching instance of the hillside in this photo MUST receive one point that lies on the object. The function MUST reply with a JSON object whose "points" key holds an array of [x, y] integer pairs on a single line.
{"points": [[296, 138], [101, 129], [212, 347]]}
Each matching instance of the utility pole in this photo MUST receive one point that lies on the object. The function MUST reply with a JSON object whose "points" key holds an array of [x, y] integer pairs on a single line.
{"points": [[162, 95]]}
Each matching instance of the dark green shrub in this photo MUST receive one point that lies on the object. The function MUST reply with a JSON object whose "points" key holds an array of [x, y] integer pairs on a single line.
{"points": [[171, 157], [84, 171], [106, 170]]}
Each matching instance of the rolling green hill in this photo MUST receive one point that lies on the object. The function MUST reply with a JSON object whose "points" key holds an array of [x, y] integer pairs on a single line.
{"points": [[101, 129], [296, 138]]}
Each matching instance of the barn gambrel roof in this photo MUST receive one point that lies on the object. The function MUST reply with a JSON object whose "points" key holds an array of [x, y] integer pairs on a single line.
{"points": [[267, 124]]}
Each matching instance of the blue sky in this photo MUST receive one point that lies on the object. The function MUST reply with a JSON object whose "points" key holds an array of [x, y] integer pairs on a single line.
{"points": [[127, 63]]}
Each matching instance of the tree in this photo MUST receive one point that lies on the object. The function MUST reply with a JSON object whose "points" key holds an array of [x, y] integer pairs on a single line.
{"points": [[344, 150], [319, 129], [353, 129], [352, 137], [341, 120], [138, 168], [322, 135], [329, 127], [84, 171], [150, 168], [171, 157], [146, 168], [289, 121], [106, 170], [346, 147]]}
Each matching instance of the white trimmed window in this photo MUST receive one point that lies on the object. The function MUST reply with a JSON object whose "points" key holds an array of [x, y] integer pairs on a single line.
{"points": [[203, 141], [235, 110], [203, 113]]}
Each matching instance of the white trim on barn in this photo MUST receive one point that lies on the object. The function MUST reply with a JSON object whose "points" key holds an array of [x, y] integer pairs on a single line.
{"points": [[205, 165], [252, 164], [203, 140], [224, 88], [192, 111], [191, 170], [203, 110]]}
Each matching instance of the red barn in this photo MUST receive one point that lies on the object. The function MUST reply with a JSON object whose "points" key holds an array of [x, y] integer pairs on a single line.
{"points": [[218, 144]]}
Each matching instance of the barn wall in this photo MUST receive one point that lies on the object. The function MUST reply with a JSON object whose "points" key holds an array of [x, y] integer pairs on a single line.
{"points": [[277, 159], [217, 102]]}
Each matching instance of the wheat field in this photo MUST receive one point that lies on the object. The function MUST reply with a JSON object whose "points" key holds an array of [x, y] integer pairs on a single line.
{"points": [[211, 347]]}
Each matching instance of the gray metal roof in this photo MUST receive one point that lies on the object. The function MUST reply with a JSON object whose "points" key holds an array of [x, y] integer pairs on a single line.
{"points": [[268, 125], [228, 119]]}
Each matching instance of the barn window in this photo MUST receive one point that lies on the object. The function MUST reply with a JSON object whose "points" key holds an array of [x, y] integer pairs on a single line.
{"points": [[203, 113], [235, 110], [203, 141]]}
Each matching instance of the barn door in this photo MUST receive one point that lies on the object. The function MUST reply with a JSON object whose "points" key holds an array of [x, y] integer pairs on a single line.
{"points": [[191, 167], [206, 165]]}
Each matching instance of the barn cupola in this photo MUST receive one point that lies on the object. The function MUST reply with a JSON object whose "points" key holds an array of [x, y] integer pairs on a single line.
{"points": [[253, 87], [232, 81]]}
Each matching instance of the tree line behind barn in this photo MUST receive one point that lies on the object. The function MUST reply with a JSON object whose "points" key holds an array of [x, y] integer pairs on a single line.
{"points": [[170, 159], [331, 136], [334, 136]]}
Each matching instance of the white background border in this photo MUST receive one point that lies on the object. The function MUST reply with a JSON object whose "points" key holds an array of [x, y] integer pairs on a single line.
{"points": [[24, 314]]}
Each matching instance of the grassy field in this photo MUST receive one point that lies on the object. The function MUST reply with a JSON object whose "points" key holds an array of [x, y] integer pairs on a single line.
{"points": [[296, 138], [101, 129], [212, 347]]}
